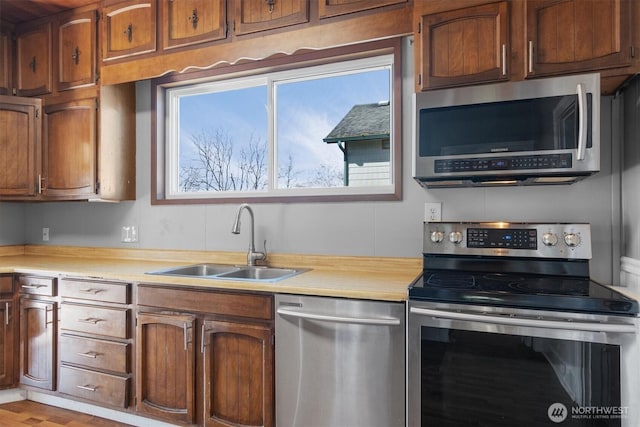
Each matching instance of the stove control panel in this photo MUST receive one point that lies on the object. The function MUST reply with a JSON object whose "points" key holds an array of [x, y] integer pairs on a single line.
{"points": [[549, 240]]}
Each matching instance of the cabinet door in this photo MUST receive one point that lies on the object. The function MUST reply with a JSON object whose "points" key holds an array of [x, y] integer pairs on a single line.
{"points": [[37, 343], [33, 63], [165, 366], [128, 29], [5, 64], [20, 134], [463, 47], [329, 8], [70, 150], [76, 49], [188, 22], [259, 15], [576, 35], [7, 337], [238, 374]]}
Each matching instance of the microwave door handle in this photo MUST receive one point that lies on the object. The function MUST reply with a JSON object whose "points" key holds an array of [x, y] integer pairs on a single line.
{"points": [[582, 122]]}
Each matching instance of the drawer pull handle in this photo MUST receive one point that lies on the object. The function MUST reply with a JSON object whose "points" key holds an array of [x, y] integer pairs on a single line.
{"points": [[89, 354], [33, 286], [90, 291], [87, 387], [92, 320], [6, 313]]}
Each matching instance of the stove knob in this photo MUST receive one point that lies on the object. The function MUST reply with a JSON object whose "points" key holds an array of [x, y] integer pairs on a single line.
{"points": [[572, 239], [437, 236], [455, 237], [549, 239]]}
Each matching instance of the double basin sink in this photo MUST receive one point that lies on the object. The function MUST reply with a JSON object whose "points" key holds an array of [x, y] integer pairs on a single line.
{"points": [[229, 272]]}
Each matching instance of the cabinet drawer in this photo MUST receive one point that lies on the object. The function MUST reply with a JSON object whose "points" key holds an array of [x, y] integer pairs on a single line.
{"points": [[223, 303], [35, 285], [94, 353], [95, 320], [103, 388], [95, 290]]}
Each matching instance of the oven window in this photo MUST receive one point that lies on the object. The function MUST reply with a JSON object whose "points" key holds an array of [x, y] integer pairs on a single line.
{"points": [[492, 380], [538, 124]]}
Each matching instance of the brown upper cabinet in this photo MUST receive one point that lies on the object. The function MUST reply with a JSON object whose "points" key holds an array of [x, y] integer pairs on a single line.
{"points": [[463, 46], [128, 29], [70, 151], [5, 63], [33, 59], [260, 15], [565, 36], [329, 8], [20, 136], [95, 158], [188, 22], [75, 44]]}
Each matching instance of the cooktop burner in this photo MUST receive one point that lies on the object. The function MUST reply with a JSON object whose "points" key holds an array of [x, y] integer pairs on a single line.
{"points": [[531, 266]]}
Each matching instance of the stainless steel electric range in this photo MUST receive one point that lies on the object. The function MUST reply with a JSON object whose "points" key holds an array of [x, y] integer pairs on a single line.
{"points": [[506, 328]]}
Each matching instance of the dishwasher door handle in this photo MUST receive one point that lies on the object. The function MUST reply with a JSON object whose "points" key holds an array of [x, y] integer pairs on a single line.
{"points": [[380, 321]]}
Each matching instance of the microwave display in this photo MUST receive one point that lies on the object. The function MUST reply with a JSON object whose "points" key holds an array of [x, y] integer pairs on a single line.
{"points": [[537, 124]]}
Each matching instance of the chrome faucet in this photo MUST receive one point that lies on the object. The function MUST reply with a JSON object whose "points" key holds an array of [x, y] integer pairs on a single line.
{"points": [[252, 255]]}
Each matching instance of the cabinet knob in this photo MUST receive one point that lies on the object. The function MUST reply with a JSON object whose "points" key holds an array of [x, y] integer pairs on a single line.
{"points": [[129, 33], [194, 18], [32, 64], [76, 55], [271, 3]]}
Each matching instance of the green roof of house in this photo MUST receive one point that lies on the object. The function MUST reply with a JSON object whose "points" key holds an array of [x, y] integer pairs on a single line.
{"points": [[362, 122]]}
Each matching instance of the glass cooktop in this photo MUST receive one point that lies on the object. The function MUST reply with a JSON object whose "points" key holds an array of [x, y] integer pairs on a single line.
{"points": [[573, 294]]}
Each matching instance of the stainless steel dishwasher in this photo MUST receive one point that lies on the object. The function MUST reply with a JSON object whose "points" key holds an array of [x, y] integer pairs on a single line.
{"points": [[339, 362]]}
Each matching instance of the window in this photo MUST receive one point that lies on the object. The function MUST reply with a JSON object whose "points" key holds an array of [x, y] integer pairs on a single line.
{"points": [[322, 128]]}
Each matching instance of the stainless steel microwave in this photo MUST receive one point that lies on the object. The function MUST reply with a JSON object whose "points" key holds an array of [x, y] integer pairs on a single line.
{"points": [[543, 131]]}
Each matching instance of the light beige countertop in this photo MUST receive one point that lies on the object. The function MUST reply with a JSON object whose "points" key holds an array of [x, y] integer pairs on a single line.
{"points": [[375, 278]]}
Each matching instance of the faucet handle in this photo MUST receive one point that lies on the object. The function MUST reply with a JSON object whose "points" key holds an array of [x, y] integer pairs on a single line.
{"points": [[265, 250]]}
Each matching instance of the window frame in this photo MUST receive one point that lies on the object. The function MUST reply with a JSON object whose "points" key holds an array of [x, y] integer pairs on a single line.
{"points": [[257, 70]]}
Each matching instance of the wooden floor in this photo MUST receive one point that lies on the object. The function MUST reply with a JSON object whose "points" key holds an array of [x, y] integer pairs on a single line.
{"points": [[28, 413]]}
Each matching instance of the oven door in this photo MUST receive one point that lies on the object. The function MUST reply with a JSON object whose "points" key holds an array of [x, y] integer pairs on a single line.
{"points": [[495, 367]]}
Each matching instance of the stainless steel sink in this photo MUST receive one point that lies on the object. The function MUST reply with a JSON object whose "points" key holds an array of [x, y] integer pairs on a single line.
{"points": [[229, 272], [260, 273]]}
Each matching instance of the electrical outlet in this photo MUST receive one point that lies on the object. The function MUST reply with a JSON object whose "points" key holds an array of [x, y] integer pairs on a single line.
{"points": [[45, 234], [433, 211], [129, 234]]}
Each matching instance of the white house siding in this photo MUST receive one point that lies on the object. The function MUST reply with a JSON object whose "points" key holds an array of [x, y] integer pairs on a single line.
{"points": [[368, 164]]}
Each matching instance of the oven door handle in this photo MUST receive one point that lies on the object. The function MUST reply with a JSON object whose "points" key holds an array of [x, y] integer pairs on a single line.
{"points": [[382, 321], [526, 323]]}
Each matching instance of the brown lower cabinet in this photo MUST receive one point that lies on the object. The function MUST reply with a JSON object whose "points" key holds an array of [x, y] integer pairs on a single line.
{"points": [[37, 343], [38, 325], [8, 333], [237, 360], [95, 341], [165, 366], [214, 351]]}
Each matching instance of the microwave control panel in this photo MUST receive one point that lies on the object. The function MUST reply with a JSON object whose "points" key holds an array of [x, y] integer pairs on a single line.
{"points": [[539, 161]]}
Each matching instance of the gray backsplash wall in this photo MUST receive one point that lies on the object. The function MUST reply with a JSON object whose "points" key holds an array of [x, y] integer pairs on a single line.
{"points": [[357, 228], [12, 223]]}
